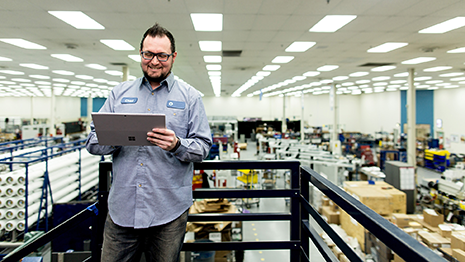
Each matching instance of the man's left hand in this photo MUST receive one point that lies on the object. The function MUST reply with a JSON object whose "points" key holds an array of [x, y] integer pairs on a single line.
{"points": [[164, 138]]}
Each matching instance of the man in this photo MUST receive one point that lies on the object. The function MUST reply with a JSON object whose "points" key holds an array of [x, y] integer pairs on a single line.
{"points": [[152, 185]]}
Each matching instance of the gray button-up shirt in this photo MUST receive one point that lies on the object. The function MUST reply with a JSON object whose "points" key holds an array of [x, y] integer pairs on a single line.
{"points": [[151, 186]]}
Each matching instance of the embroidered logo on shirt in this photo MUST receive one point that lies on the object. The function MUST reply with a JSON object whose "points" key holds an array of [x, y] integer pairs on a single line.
{"points": [[176, 104], [129, 100]]}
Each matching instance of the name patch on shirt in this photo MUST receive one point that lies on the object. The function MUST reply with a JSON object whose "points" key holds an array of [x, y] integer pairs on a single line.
{"points": [[129, 100], [176, 104]]}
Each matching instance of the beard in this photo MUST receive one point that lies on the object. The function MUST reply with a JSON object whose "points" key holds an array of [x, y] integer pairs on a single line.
{"points": [[158, 79]]}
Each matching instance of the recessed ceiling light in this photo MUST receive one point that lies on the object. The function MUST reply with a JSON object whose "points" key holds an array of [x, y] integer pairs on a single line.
{"points": [[443, 27], [340, 78], [452, 74], [263, 73], [96, 66], [11, 72], [381, 78], [114, 72], [362, 81], [34, 66], [77, 19], [457, 50], [22, 80], [382, 68], [418, 60], [63, 72], [207, 22], [332, 23], [359, 74], [422, 78], [39, 76], [42, 83], [67, 57], [386, 47], [99, 80], [434, 81], [327, 68], [5, 59], [282, 59], [437, 68], [404, 74], [212, 59], [214, 73], [271, 67], [299, 46], [60, 80], [451, 86], [210, 45], [117, 44], [136, 58], [213, 67], [22, 43], [326, 81], [84, 77]]}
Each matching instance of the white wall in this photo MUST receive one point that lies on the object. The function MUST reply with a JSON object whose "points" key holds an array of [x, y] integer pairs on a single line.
{"points": [[449, 105], [67, 108], [365, 113]]}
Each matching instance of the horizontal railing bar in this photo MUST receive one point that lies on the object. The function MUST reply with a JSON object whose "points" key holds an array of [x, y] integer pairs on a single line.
{"points": [[325, 252], [233, 245], [238, 217], [243, 193], [246, 164], [395, 238], [348, 251]]}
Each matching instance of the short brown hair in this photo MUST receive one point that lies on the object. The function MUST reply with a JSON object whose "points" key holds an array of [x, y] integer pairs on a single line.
{"points": [[158, 30]]}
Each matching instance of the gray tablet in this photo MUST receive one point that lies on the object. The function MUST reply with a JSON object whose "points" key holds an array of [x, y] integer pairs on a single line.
{"points": [[126, 129]]}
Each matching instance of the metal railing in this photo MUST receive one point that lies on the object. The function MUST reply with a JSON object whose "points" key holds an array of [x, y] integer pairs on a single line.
{"points": [[300, 234]]}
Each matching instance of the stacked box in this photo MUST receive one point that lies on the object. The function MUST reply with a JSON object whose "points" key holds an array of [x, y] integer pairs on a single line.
{"points": [[432, 218], [331, 215], [353, 228], [379, 251], [433, 240]]}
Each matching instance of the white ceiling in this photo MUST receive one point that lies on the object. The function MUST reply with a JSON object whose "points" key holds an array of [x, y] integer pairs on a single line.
{"points": [[261, 29]]}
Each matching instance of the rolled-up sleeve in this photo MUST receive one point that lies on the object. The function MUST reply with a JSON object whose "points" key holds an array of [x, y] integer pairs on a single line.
{"points": [[196, 146]]}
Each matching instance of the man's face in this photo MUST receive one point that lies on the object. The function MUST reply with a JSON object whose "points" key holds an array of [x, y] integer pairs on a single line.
{"points": [[154, 70]]}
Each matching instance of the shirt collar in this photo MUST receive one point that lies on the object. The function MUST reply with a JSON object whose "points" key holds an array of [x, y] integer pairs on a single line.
{"points": [[168, 81]]}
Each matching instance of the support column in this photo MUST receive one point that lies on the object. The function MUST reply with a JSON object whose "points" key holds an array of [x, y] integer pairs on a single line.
{"points": [[89, 112], [125, 73], [284, 124], [334, 142], [32, 110], [302, 135], [51, 129], [411, 120]]}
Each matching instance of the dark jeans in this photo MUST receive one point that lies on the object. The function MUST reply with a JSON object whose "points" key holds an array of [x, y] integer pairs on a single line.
{"points": [[159, 243]]}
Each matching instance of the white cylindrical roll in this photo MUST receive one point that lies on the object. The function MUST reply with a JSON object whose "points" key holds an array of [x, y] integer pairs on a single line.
{"points": [[2, 213], [32, 186], [20, 202], [17, 190], [15, 179], [11, 225], [3, 223], [10, 202], [2, 202], [20, 225], [3, 190]]}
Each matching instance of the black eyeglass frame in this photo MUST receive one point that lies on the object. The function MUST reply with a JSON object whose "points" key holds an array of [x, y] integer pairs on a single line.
{"points": [[155, 55]]}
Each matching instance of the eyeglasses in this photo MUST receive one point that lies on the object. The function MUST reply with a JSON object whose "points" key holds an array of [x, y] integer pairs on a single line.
{"points": [[162, 57]]}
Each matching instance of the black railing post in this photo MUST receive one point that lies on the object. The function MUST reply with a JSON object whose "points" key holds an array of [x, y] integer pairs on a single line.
{"points": [[98, 223], [305, 194]]}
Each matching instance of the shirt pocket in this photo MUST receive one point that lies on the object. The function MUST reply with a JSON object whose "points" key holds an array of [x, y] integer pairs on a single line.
{"points": [[177, 120]]}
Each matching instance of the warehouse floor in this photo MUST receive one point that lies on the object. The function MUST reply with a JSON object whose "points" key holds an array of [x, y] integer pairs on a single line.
{"points": [[269, 230]]}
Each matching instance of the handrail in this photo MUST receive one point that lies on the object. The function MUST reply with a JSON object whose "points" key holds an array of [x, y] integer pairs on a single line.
{"points": [[392, 236], [300, 211]]}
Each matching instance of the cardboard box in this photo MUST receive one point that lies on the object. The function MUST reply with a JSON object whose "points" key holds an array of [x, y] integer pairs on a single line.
{"points": [[414, 224], [413, 232], [353, 228], [377, 249], [432, 218], [332, 216], [457, 240], [433, 240], [458, 254], [373, 198], [445, 230], [401, 220]]}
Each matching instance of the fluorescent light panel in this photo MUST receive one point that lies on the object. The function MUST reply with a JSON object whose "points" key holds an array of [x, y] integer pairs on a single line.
{"points": [[382, 68], [445, 26], [67, 57], [327, 68], [77, 19], [117, 44], [332, 23], [212, 59], [5, 59], [136, 58], [210, 46], [34, 66], [282, 59], [457, 50], [207, 22], [386, 47], [299, 46], [96, 66], [22, 43], [271, 67], [418, 60], [213, 67]]}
